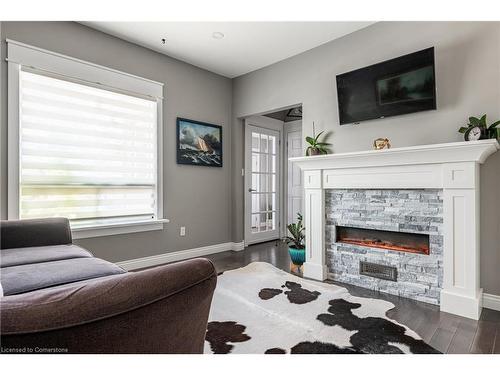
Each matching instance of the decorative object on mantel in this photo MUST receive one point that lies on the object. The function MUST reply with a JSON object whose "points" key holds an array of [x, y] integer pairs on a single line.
{"points": [[199, 143], [295, 241], [477, 129], [381, 143], [316, 147]]}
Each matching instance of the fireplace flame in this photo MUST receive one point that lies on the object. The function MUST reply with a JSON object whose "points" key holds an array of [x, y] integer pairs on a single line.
{"points": [[385, 245]]}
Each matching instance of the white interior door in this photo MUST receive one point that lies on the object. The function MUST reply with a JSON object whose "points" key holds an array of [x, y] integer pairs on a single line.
{"points": [[262, 184], [294, 175]]}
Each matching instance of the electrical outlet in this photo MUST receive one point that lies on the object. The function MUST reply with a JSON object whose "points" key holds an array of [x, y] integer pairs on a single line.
{"points": [[183, 231]]}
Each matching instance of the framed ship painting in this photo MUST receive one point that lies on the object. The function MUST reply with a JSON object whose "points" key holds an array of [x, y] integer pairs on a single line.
{"points": [[199, 143]]}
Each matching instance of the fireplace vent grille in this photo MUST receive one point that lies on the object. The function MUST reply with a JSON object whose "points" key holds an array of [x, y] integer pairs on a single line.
{"points": [[379, 271]]}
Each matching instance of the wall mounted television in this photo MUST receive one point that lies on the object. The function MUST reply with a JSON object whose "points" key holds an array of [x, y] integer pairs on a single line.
{"points": [[394, 87]]}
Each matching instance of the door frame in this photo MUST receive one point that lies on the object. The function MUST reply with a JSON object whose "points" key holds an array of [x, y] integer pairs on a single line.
{"points": [[290, 127], [270, 124]]}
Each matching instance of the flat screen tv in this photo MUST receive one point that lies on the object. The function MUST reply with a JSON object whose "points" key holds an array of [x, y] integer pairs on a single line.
{"points": [[394, 87]]}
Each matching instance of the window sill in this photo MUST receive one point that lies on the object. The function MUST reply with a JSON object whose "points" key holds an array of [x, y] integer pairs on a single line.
{"points": [[119, 228]]}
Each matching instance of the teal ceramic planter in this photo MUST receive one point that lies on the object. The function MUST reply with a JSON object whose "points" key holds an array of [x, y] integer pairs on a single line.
{"points": [[298, 256]]}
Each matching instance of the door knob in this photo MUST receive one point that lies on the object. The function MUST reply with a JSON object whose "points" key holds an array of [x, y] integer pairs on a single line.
{"points": [[250, 190]]}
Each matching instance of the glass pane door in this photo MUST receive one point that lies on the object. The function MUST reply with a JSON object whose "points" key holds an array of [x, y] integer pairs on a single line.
{"points": [[262, 181]]}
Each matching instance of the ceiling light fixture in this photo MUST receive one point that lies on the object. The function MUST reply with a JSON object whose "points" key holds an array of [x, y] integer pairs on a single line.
{"points": [[217, 35]]}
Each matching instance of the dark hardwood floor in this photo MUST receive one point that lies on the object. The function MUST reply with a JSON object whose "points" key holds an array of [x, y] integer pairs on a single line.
{"points": [[445, 332]]}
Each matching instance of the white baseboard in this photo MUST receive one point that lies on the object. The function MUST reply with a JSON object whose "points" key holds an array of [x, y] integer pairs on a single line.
{"points": [[134, 264], [460, 304], [491, 301], [315, 271], [238, 246]]}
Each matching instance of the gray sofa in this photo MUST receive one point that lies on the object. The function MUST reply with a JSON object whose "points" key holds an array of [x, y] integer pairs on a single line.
{"points": [[53, 261], [58, 295]]}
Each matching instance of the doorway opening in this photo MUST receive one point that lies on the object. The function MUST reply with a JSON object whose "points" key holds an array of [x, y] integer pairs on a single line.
{"points": [[273, 186]]}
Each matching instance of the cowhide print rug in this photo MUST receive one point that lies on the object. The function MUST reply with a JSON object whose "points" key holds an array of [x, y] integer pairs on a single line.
{"points": [[261, 309]]}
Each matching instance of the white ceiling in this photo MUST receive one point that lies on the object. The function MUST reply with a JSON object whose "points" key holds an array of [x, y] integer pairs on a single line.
{"points": [[246, 46]]}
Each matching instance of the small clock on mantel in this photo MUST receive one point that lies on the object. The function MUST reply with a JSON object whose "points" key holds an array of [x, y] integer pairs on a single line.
{"points": [[477, 128], [473, 133]]}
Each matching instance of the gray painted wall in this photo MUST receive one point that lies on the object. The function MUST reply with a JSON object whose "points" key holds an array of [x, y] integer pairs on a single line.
{"points": [[468, 78], [196, 197], [468, 82]]}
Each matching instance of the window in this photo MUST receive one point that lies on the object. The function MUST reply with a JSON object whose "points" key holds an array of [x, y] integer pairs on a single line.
{"points": [[86, 151], [86, 154]]}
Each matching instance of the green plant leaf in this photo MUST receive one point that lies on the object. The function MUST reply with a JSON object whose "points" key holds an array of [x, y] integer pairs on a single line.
{"points": [[474, 121], [316, 139], [482, 122], [493, 133], [494, 125], [323, 144], [463, 129], [310, 140], [296, 233], [467, 132]]}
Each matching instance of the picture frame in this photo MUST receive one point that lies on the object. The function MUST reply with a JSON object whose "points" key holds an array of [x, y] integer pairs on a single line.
{"points": [[199, 143]]}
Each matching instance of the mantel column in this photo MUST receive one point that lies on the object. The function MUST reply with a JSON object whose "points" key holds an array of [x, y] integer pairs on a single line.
{"points": [[315, 266], [461, 293]]}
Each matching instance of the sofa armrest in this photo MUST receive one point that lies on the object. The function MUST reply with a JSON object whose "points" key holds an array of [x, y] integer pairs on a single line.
{"points": [[34, 232], [163, 309]]}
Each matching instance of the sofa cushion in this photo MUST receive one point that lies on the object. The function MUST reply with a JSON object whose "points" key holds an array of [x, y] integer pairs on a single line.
{"points": [[38, 254], [29, 277], [34, 232]]}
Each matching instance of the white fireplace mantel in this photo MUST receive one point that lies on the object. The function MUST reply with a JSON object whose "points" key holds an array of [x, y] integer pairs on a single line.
{"points": [[453, 167]]}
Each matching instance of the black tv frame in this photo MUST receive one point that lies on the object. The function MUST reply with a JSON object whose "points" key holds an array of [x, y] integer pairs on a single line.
{"points": [[405, 58]]}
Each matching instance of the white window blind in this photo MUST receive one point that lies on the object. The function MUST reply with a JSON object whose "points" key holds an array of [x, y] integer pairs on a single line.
{"points": [[86, 153]]}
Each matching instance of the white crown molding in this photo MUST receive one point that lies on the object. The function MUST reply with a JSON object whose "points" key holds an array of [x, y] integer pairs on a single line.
{"points": [[455, 152], [66, 66], [491, 301], [155, 260]]}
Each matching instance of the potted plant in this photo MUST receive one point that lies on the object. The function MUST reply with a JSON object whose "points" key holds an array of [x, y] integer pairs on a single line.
{"points": [[295, 241], [315, 146], [477, 128]]}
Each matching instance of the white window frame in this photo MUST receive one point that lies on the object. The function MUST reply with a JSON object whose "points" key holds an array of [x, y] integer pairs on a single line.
{"points": [[19, 55]]}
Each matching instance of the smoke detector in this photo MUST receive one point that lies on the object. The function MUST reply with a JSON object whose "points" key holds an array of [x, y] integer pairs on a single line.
{"points": [[217, 35]]}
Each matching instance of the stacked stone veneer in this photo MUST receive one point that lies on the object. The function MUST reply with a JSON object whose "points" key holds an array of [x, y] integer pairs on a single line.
{"points": [[420, 277]]}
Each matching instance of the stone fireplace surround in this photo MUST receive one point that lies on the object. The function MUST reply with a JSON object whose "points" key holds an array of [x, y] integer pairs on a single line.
{"points": [[451, 168], [419, 276]]}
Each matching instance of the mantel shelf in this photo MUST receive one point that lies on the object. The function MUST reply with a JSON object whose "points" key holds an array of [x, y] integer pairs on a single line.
{"points": [[455, 152]]}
